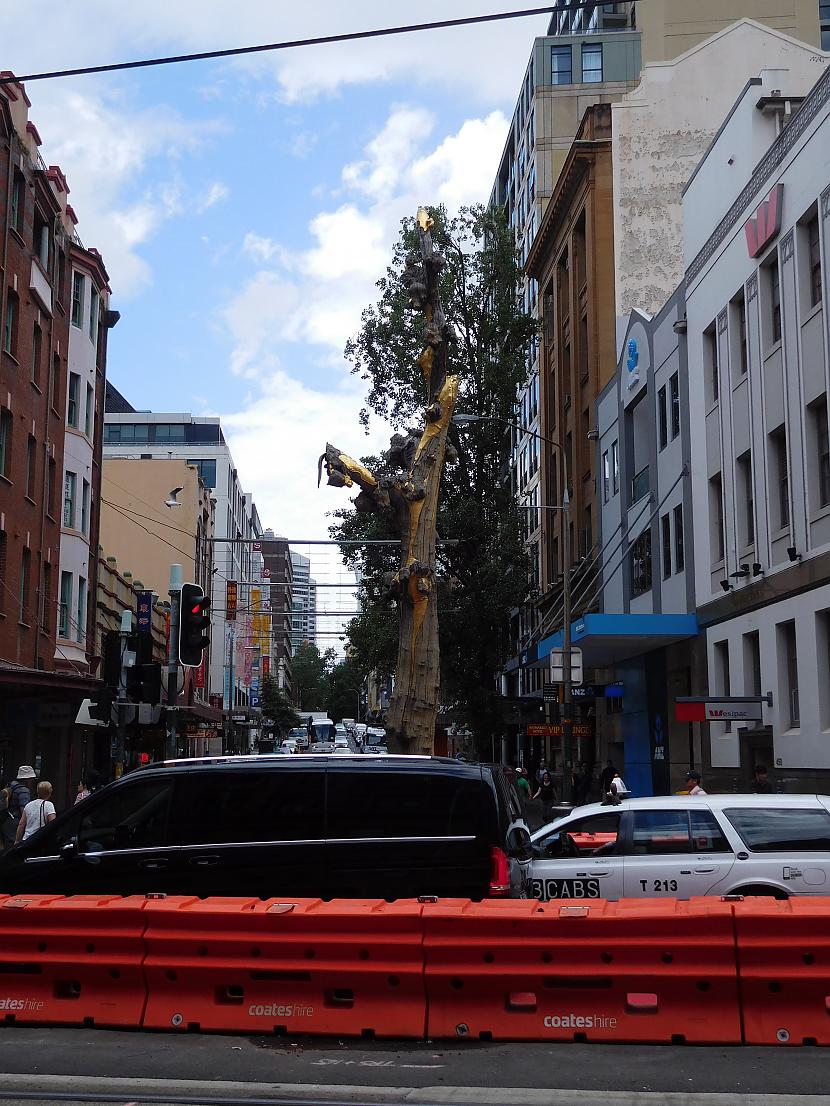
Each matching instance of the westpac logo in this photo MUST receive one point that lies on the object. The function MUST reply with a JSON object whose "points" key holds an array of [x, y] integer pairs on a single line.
{"points": [[765, 223]]}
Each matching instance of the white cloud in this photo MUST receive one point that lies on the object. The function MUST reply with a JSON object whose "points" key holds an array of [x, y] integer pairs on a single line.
{"points": [[104, 148], [316, 297], [215, 194]]}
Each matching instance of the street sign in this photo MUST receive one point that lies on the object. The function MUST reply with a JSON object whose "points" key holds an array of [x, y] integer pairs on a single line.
{"points": [[737, 708], [550, 693], [557, 666]]}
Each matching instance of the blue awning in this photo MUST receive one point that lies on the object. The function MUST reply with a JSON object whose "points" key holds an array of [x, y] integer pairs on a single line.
{"points": [[606, 638]]}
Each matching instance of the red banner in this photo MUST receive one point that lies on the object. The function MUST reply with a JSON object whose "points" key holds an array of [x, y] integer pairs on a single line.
{"points": [[199, 677], [266, 665]]}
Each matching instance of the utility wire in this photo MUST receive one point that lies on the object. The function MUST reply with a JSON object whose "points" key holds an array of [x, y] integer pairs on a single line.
{"points": [[293, 44]]}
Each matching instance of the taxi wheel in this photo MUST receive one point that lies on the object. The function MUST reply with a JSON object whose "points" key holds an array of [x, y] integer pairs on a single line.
{"points": [[759, 890]]}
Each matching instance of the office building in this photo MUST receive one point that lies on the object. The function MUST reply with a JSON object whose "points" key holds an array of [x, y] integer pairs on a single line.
{"points": [[304, 603]]}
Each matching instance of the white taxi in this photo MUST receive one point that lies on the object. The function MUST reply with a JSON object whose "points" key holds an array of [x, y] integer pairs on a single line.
{"points": [[679, 846]]}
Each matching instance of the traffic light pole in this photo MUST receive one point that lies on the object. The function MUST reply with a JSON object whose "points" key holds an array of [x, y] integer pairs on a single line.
{"points": [[173, 659], [121, 701]]}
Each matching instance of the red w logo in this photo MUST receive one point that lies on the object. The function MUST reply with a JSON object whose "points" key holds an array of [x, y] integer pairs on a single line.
{"points": [[765, 223]]}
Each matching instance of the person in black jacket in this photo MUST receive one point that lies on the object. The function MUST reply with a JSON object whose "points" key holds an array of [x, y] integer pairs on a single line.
{"points": [[760, 785]]}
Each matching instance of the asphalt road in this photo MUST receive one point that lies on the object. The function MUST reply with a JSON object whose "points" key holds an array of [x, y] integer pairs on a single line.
{"points": [[128, 1066]]}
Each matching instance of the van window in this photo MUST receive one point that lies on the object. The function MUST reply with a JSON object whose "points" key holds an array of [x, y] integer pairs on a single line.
{"points": [[707, 836], [408, 803], [804, 829], [130, 817], [271, 805], [660, 832]]}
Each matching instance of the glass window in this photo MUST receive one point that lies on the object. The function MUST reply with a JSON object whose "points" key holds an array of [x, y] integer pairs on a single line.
{"points": [[660, 832], [716, 545], [679, 547], [73, 409], [89, 412], [25, 569], [584, 837], [10, 324], [408, 804], [707, 836], [18, 201], [131, 817], [814, 251], [69, 492], [31, 466], [665, 532], [281, 805], [710, 338], [78, 282], [640, 485], [783, 830], [745, 504], [37, 344], [561, 65], [606, 477], [615, 467], [825, 38], [780, 477], [819, 412], [592, 63], [641, 563], [774, 302], [85, 508], [5, 442], [788, 667], [674, 397], [80, 621], [93, 316], [169, 432], [662, 418], [65, 604]]}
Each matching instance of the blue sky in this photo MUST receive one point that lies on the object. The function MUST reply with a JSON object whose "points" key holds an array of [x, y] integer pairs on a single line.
{"points": [[245, 209]]}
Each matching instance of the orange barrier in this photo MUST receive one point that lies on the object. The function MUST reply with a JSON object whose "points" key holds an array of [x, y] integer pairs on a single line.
{"points": [[784, 970], [654, 970], [72, 961], [349, 967]]}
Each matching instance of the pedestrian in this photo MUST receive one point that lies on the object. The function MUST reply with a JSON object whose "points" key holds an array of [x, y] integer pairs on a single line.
{"points": [[693, 783], [37, 813], [606, 776], [19, 791], [522, 784], [761, 784], [8, 824], [545, 790], [617, 788], [581, 784]]}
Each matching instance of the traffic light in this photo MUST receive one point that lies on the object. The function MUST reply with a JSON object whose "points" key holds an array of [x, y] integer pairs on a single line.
{"points": [[144, 683], [100, 705], [194, 623]]}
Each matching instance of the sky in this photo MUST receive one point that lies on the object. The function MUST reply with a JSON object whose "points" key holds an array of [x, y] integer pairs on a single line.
{"points": [[245, 208]]}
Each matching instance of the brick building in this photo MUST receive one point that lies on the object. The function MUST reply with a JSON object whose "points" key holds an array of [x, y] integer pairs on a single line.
{"points": [[42, 683]]}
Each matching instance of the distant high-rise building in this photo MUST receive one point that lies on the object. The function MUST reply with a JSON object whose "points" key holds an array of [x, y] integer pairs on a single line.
{"points": [[304, 603]]}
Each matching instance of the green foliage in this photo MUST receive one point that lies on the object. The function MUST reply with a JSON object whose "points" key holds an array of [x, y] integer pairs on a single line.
{"points": [[345, 683], [309, 672], [276, 708], [486, 574]]}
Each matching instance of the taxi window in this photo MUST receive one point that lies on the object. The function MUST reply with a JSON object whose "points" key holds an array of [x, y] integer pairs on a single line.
{"points": [[594, 836], [658, 832], [790, 829], [707, 836]]}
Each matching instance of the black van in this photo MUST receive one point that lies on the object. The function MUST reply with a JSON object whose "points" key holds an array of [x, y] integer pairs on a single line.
{"points": [[322, 826]]}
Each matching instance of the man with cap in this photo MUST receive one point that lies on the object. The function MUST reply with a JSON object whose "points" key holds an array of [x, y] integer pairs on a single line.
{"points": [[693, 783], [19, 793]]}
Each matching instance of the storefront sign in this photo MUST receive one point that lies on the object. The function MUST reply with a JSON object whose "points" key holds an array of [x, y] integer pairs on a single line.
{"points": [[554, 729], [718, 710], [230, 601], [144, 612], [765, 223]]}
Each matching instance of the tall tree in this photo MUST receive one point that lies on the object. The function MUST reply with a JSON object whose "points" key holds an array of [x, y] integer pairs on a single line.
{"points": [[276, 708], [486, 574], [309, 670]]}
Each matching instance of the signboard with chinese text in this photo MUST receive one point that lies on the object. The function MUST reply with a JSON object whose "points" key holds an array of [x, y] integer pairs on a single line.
{"points": [[230, 601]]}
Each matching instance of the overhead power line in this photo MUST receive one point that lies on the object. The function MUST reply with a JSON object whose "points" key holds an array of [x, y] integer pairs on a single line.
{"points": [[293, 44]]}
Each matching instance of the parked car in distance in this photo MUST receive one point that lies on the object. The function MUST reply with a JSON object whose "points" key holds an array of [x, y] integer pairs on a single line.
{"points": [[289, 745], [322, 826], [676, 847]]}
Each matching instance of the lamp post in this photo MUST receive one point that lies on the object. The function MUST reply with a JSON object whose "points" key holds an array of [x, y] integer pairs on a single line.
{"points": [[567, 692]]}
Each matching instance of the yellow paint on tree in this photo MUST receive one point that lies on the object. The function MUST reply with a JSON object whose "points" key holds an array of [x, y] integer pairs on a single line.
{"points": [[446, 397], [354, 468]]}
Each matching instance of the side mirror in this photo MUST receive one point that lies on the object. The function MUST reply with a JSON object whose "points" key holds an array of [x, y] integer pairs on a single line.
{"points": [[518, 843], [69, 850]]}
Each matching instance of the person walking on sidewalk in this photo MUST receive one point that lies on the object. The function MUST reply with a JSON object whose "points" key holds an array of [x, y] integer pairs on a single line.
{"points": [[37, 813]]}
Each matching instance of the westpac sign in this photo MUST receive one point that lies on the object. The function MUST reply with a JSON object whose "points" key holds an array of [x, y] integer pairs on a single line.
{"points": [[765, 223]]}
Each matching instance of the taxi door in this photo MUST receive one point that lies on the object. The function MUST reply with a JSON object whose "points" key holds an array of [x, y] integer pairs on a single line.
{"points": [[579, 859], [674, 853]]}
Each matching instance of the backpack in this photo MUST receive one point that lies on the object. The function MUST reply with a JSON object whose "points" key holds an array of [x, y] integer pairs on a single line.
{"points": [[15, 809]]}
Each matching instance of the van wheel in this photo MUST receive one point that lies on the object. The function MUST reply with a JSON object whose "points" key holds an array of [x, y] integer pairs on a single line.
{"points": [[759, 890]]}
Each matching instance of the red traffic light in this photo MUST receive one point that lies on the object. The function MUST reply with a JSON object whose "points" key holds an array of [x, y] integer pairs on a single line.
{"points": [[194, 625]]}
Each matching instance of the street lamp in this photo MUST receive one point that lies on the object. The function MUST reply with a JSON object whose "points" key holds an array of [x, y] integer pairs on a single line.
{"points": [[567, 734]]}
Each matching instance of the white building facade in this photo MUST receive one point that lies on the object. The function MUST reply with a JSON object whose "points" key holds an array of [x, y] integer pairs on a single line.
{"points": [[200, 442], [759, 367]]}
